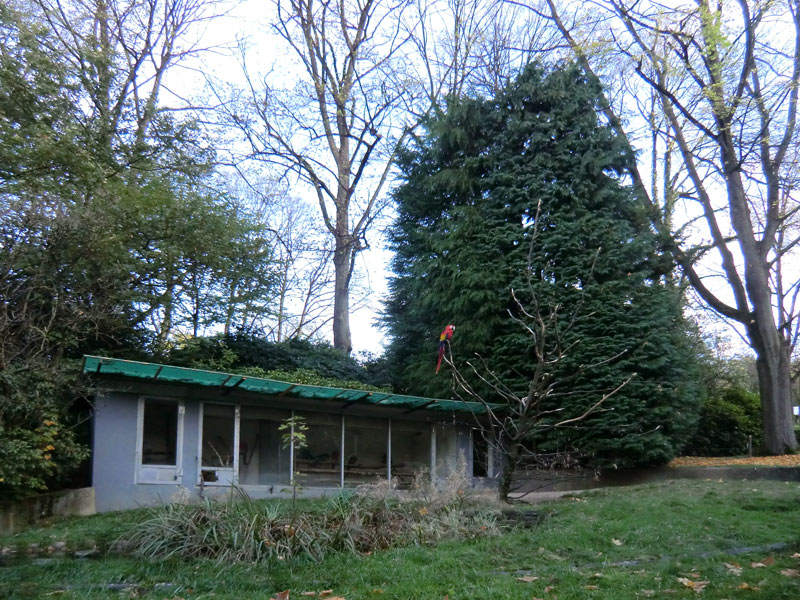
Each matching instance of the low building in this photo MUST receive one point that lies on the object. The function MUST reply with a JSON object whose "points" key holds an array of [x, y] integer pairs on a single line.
{"points": [[163, 433]]}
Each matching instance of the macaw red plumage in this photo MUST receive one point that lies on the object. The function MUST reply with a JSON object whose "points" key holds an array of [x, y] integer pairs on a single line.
{"points": [[445, 337]]}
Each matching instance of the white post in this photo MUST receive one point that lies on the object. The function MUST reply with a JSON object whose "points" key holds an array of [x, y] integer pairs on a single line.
{"points": [[433, 452], [236, 414], [291, 451], [389, 452], [341, 456]]}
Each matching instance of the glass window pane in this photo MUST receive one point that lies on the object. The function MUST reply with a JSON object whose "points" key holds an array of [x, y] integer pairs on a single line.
{"points": [[365, 446], [159, 432], [411, 450], [319, 462], [446, 450], [218, 435], [480, 454], [263, 459]]}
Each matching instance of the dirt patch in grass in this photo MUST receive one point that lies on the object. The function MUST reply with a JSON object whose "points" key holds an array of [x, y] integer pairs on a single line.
{"points": [[787, 460]]}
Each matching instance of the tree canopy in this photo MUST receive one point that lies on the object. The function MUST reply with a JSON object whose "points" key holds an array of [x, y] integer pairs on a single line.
{"points": [[720, 81], [524, 192], [103, 248]]}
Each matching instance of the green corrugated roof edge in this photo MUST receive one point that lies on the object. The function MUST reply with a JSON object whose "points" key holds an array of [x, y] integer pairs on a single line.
{"points": [[102, 365]]}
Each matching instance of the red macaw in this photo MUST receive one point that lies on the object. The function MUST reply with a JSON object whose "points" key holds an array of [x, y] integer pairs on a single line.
{"points": [[445, 337]]}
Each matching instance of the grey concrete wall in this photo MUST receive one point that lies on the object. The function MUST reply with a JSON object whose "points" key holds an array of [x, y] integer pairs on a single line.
{"points": [[114, 457], [113, 447], [18, 515]]}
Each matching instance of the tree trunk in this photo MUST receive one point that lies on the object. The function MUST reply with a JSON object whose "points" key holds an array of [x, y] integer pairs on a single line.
{"points": [[342, 259], [775, 387], [166, 322], [773, 352], [510, 463]]}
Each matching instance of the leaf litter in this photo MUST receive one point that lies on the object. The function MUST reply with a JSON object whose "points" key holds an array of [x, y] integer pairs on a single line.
{"points": [[787, 460]]}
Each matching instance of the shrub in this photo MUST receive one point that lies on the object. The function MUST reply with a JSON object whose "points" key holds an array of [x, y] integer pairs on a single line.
{"points": [[316, 363], [726, 422], [38, 444], [242, 529]]}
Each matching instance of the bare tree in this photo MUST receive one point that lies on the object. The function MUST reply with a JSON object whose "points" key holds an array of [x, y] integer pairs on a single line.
{"points": [[120, 51], [305, 274], [512, 418], [725, 76], [473, 47], [338, 128]]}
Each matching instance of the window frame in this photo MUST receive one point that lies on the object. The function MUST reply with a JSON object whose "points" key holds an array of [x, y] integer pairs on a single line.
{"points": [[139, 467], [233, 470]]}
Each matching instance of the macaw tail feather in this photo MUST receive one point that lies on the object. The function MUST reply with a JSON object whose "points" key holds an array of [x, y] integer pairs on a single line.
{"points": [[439, 361]]}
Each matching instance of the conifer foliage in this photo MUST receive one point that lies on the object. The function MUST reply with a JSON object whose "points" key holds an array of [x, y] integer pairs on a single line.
{"points": [[525, 192]]}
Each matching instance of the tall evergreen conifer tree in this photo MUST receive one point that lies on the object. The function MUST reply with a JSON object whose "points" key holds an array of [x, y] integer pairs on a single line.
{"points": [[524, 192]]}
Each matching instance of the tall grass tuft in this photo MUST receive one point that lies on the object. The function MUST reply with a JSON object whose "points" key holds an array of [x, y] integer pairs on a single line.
{"points": [[246, 530]]}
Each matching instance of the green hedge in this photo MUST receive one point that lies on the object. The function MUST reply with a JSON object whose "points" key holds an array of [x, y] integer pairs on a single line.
{"points": [[726, 422]]}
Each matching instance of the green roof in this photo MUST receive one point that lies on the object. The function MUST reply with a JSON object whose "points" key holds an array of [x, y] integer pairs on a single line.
{"points": [[100, 365]]}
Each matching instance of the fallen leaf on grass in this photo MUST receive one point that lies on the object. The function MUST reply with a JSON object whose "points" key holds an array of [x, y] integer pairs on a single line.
{"points": [[549, 589], [796, 555], [747, 586], [616, 542], [591, 587], [790, 572], [764, 562], [325, 593], [733, 568], [527, 579], [697, 586], [284, 595]]}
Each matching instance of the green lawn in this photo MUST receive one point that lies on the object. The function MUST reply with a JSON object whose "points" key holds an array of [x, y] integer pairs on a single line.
{"points": [[650, 541]]}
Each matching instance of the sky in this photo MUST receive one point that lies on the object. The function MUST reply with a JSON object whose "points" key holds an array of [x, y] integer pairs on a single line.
{"points": [[248, 22]]}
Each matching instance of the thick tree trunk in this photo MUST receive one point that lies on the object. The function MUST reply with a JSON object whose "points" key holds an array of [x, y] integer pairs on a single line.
{"points": [[773, 354], [775, 386]]}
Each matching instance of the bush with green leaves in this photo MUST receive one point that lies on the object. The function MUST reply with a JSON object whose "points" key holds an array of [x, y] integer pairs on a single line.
{"points": [[38, 443], [727, 420], [296, 360]]}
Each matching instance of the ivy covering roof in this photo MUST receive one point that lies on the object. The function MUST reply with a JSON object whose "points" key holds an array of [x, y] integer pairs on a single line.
{"points": [[100, 365]]}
